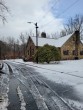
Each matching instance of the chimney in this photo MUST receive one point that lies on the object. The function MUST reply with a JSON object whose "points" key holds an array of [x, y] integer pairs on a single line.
{"points": [[77, 34], [43, 34]]}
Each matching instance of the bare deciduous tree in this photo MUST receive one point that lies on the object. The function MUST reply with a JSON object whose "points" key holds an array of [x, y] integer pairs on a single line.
{"points": [[23, 40], [55, 35], [74, 24], [62, 33], [3, 10], [10, 40]]}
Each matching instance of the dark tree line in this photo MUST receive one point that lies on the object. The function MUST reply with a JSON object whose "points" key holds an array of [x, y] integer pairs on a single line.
{"points": [[11, 50]]}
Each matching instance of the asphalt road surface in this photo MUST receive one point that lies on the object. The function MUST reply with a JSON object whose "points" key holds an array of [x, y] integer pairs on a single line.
{"points": [[28, 90]]}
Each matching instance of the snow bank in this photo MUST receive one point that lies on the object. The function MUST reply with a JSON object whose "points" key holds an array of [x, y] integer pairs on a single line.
{"points": [[23, 104], [4, 89], [4, 104]]}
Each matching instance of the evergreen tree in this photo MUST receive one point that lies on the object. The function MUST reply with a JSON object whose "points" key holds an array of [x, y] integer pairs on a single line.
{"points": [[47, 53]]}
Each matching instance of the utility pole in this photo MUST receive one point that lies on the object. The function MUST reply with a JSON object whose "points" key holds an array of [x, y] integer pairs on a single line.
{"points": [[0, 51], [14, 50], [36, 41], [36, 26]]}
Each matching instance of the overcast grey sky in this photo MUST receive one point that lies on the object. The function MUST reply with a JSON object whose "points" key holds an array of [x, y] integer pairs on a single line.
{"points": [[42, 11]]}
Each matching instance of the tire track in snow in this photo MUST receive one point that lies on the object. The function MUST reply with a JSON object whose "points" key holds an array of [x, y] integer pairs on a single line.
{"points": [[30, 101], [41, 84], [38, 98], [14, 76], [33, 89], [43, 90], [61, 105], [14, 103], [48, 94]]}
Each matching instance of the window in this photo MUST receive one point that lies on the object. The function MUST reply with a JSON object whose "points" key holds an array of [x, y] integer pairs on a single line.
{"points": [[81, 52], [32, 51], [73, 52], [66, 52]]}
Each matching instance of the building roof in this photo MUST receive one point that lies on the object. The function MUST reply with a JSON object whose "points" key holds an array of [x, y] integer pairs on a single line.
{"points": [[54, 42]]}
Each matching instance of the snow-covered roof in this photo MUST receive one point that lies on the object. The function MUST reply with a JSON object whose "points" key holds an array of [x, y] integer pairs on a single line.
{"points": [[54, 42]]}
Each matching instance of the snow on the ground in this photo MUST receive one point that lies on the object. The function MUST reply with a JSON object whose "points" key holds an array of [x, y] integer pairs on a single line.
{"points": [[5, 69], [21, 97], [61, 72], [75, 104], [16, 60], [4, 104], [4, 89], [66, 72]]}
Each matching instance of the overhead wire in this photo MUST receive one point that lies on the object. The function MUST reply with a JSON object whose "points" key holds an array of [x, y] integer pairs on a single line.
{"points": [[45, 14], [61, 13], [58, 15]]}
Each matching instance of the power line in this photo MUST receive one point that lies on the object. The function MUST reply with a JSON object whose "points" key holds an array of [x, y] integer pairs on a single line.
{"points": [[62, 12], [45, 14]]}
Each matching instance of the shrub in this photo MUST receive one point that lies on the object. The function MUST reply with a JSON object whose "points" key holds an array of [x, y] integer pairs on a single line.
{"points": [[47, 53]]}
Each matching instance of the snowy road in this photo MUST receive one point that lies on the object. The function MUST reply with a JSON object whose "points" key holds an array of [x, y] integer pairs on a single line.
{"points": [[28, 90]]}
